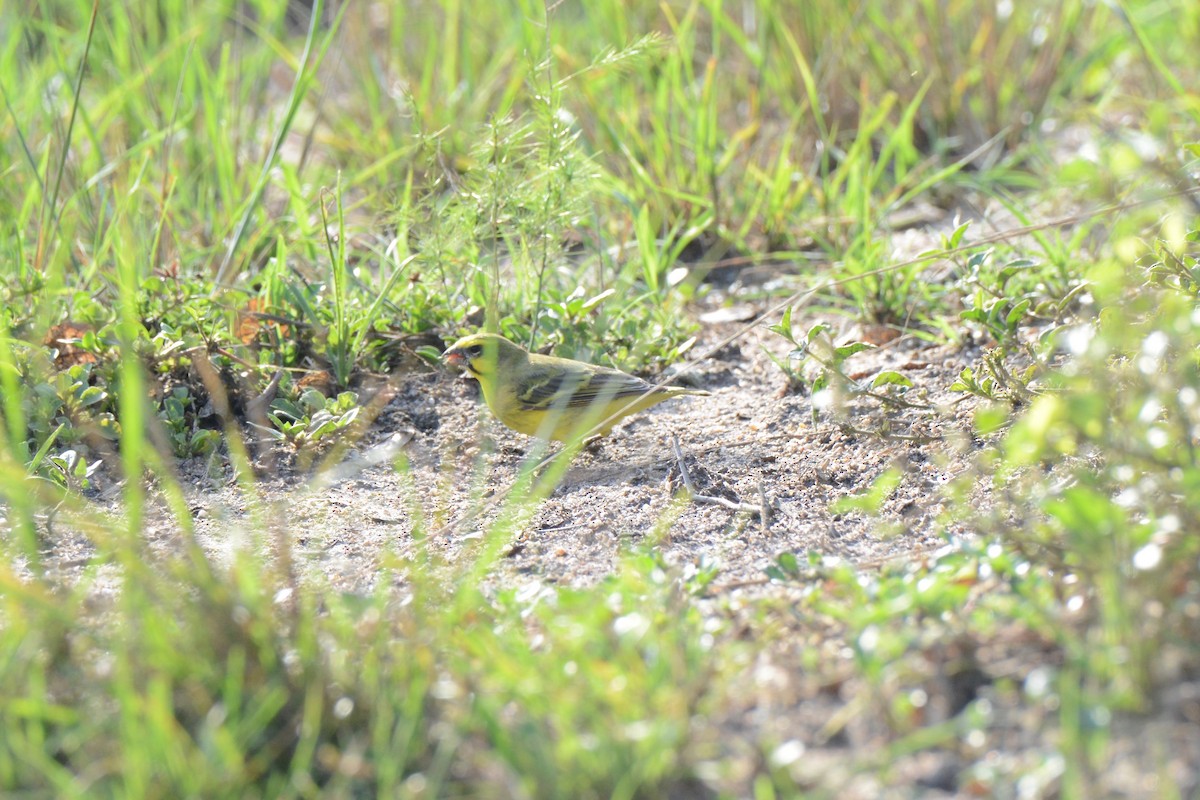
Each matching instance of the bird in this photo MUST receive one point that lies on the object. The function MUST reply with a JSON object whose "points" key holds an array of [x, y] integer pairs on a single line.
{"points": [[550, 397]]}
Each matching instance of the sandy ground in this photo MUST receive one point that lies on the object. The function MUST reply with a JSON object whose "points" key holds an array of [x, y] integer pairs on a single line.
{"points": [[750, 447]]}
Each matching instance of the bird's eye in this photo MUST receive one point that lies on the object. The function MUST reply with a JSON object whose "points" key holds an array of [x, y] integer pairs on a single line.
{"points": [[475, 350]]}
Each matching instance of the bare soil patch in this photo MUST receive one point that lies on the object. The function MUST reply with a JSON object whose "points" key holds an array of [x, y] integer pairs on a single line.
{"points": [[751, 443]]}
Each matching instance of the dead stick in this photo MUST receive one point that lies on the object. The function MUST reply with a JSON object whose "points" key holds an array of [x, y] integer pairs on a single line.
{"points": [[704, 498]]}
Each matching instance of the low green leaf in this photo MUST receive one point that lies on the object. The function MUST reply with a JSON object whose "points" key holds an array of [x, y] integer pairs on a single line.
{"points": [[92, 395], [429, 353], [840, 354], [776, 574], [287, 408], [313, 400], [594, 302], [891, 378], [784, 327], [990, 418], [872, 499], [956, 238], [1016, 315]]}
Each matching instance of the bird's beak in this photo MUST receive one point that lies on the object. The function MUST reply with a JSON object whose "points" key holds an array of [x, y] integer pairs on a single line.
{"points": [[454, 358]]}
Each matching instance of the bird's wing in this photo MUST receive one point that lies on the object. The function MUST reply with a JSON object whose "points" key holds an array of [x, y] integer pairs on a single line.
{"points": [[572, 387]]}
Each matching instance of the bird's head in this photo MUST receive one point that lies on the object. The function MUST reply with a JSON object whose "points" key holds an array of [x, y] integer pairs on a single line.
{"points": [[484, 354]]}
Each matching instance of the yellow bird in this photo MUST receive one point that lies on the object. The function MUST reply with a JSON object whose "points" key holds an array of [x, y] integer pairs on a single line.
{"points": [[553, 398]]}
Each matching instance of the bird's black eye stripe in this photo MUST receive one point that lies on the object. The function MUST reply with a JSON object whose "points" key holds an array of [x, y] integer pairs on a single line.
{"points": [[475, 350]]}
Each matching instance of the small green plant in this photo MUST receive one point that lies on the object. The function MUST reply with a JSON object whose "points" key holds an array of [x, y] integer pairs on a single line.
{"points": [[992, 306], [76, 402], [346, 337], [1004, 304], [1170, 269], [996, 381], [179, 421], [819, 364], [67, 468], [71, 470], [313, 419]]}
